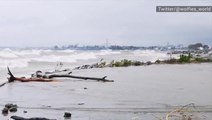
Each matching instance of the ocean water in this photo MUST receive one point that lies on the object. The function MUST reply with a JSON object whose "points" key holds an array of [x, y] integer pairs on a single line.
{"points": [[27, 61], [138, 93], [20, 58]]}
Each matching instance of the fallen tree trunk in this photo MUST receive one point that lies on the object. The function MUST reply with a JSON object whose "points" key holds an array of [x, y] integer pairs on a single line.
{"points": [[34, 118], [23, 79], [33, 80], [4, 84], [49, 78], [84, 78]]}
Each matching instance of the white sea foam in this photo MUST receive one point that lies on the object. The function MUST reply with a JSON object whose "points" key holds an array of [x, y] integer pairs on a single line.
{"points": [[21, 58], [151, 55], [7, 53], [14, 63], [27, 52], [67, 51], [65, 58], [108, 52]]}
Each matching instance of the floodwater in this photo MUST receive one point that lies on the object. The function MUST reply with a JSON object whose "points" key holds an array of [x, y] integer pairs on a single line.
{"points": [[138, 93]]}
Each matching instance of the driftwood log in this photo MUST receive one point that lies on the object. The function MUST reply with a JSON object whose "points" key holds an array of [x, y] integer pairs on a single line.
{"points": [[3, 84], [67, 74], [34, 118], [23, 79], [48, 78], [80, 77]]}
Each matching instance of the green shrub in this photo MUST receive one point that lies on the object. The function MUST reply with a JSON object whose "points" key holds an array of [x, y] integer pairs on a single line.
{"points": [[185, 58], [126, 62], [117, 64]]}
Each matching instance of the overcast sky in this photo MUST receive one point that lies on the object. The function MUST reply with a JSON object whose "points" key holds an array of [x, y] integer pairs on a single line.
{"points": [[85, 22]]}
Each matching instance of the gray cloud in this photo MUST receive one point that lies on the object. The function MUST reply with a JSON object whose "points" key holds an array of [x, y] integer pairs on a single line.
{"points": [[126, 22]]}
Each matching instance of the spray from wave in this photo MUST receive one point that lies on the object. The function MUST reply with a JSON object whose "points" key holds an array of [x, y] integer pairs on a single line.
{"points": [[151, 55], [22, 58]]}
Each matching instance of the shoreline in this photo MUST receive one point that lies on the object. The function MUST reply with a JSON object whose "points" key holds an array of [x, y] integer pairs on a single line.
{"points": [[184, 59]]}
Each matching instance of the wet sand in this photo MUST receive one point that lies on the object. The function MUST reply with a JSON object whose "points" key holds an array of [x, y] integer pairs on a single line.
{"points": [[137, 93]]}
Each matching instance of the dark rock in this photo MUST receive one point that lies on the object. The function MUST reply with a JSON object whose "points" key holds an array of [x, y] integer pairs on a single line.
{"points": [[24, 111], [11, 105], [77, 68], [137, 63], [67, 115], [157, 61], [13, 109], [8, 105], [85, 88], [85, 66], [148, 63], [81, 103], [5, 111]]}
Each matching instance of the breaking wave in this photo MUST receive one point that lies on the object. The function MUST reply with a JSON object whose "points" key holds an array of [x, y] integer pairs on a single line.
{"points": [[22, 58], [151, 55]]}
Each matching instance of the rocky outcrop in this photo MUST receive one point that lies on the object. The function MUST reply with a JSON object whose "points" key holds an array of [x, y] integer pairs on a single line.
{"points": [[9, 108]]}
